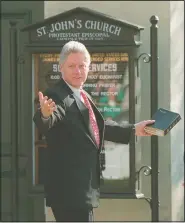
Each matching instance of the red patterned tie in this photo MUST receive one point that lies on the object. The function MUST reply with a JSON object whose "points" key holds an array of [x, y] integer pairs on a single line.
{"points": [[92, 117]]}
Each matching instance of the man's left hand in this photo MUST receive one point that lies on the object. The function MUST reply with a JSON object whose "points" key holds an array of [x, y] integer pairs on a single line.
{"points": [[139, 128]]}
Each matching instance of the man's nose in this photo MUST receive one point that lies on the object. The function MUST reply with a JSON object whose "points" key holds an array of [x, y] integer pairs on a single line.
{"points": [[77, 70]]}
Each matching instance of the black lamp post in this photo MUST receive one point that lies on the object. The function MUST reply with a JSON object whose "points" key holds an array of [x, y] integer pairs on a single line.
{"points": [[154, 106], [153, 170]]}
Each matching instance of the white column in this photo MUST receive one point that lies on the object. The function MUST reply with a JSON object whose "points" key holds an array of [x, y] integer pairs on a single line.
{"points": [[177, 105]]}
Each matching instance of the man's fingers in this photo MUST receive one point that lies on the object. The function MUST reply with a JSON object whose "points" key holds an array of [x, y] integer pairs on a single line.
{"points": [[44, 101], [148, 122], [49, 103], [45, 98], [148, 134], [40, 96], [51, 109], [52, 104]]}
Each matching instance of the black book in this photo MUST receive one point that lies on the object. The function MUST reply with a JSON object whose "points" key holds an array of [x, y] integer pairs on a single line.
{"points": [[165, 120]]}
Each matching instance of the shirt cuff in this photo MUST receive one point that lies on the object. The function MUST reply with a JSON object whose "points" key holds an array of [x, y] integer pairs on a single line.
{"points": [[44, 117]]}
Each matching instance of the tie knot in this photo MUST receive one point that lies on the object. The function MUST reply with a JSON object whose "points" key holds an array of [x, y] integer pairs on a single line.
{"points": [[84, 98], [82, 93]]}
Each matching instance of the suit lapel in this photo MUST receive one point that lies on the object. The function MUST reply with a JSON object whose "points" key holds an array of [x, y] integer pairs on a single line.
{"points": [[85, 115], [83, 110]]}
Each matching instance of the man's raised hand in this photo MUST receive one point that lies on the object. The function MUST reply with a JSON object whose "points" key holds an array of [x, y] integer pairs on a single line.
{"points": [[47, 105]]}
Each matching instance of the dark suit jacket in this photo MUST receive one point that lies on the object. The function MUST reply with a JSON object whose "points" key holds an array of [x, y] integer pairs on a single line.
{"points": [[73, 165]]}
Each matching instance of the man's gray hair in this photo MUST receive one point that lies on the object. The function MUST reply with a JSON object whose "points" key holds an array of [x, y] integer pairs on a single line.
{"points": [[73, 47]]}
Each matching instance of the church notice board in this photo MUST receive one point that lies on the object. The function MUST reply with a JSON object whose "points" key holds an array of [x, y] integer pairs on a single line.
{"points": [[108, 85]]}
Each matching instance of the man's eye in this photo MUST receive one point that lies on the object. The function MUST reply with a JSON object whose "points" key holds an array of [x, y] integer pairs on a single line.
{"points": [[82, 66]]}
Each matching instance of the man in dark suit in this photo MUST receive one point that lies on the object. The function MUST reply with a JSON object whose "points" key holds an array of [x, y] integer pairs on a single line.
{"points": [[75, 131]]}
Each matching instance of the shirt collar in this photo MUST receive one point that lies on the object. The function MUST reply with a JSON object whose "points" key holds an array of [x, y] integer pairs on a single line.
{"points": [[75, 90]]}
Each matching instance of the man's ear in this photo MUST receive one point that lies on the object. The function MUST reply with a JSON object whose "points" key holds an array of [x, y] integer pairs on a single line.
{"points": [[89, 66], [61, 68]]}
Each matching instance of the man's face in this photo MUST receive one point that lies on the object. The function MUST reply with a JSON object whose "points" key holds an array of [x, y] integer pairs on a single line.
{"points": [[75, 69]]}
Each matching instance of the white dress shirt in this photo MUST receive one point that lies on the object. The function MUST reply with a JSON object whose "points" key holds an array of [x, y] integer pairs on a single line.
{"points": [[76, 91]]}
